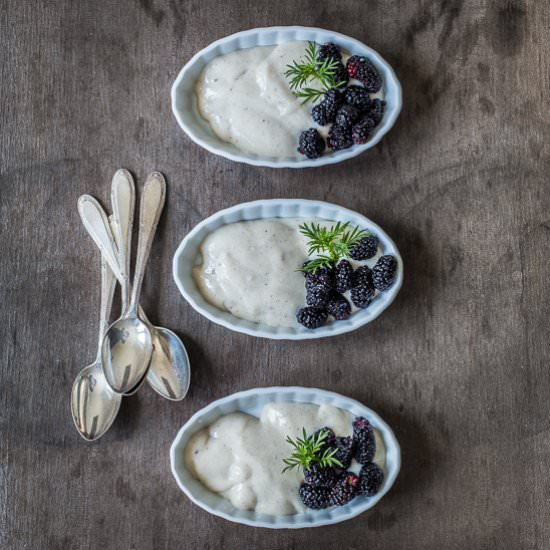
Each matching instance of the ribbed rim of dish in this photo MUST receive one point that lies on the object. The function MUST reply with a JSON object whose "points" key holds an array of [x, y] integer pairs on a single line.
{"points": [[390, 82], [271, 207], [311, 518]]}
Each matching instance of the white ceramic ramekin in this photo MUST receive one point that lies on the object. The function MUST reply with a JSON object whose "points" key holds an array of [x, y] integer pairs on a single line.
{"points": [[251, 402], [184, 103], [188, 255]]}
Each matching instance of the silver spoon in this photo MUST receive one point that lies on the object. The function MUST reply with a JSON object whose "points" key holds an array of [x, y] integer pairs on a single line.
{"points": [[169, 372], [123, 200], [94, 405], [128, 343], [97, 224]]}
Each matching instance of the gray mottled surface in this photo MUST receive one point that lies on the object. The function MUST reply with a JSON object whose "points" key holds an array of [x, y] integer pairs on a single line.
{"points": [[459, 365]]}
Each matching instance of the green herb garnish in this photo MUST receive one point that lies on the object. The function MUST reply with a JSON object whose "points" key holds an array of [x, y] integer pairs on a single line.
{"points": [[301, 72], [309, 450], [330, 243]]}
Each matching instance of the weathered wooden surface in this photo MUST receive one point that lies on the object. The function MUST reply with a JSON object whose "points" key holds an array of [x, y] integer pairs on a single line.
{"points": [[459, 365]]}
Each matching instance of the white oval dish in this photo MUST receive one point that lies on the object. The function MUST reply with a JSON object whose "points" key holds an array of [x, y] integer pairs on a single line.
{"points": [[184, 104], [251, 402], [188, 254]]}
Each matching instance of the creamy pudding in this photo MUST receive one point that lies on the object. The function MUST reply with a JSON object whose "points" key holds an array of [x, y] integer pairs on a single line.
{"points": [[245, 97], [250, 269], [241, 457]]}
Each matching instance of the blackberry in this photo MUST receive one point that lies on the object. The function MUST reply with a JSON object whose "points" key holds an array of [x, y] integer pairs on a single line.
{"points": [[363, 291], [312, 317], [360, 133], [321, 115], [322, 276], [370, 479], [312, 281], [339, 137], [383, 272], [361, 426], [343, 275], [329, 440], [344, 490], [347, 115], [365, 249], [358, 97], [362, 276], [353, 66], [370, 78], [319, 476], [344, 454], [365, 444], [315, 498], [311, 144], [329, 51], [340, 74], [362, 296], [317, 296], [376, 110], [362, 69], [338, 306], [325, 112], [332, 100]]}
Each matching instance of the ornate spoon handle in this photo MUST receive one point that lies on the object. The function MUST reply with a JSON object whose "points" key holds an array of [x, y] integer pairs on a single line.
{"points": [[152, 203]]}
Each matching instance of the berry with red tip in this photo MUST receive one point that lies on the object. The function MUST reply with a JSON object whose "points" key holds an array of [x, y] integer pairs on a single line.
{"points": [[345, 489], [360, 132]]}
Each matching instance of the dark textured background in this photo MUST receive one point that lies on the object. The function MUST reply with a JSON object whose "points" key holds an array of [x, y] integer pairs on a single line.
{"points": [[459, 365]]}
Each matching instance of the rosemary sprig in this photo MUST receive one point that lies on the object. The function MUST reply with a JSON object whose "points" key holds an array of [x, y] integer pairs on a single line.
{"points": [[301, 72], [330, 243], [309, 450]]}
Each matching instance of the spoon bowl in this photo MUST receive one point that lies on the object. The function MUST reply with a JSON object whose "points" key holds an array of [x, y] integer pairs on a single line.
{"points": [[126, 352], [94, 405], [170, 373]]}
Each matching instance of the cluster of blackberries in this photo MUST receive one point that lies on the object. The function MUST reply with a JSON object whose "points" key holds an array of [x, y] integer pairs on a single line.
{"points": [[351, 111], [325, 287], [324, 487]]}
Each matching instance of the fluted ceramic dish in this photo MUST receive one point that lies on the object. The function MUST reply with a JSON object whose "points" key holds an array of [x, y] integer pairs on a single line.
{"points": [[184, 101], [188, 255], [251, 402]]}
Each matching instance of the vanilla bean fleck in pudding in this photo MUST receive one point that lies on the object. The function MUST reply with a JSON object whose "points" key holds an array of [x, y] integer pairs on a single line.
{"points": [[251, 269], [241, 457], [245, 97]]}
